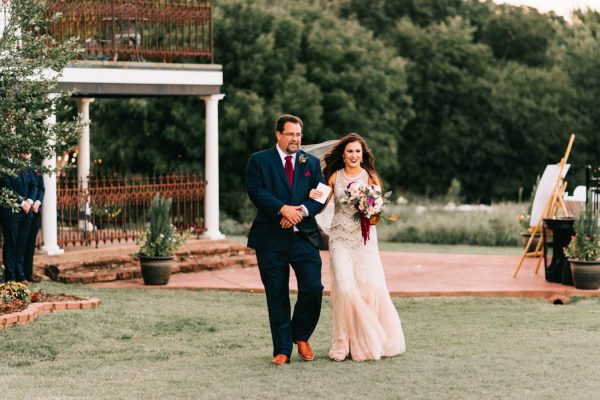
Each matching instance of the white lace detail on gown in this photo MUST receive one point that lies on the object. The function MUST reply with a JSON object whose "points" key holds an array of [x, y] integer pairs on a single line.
{"points": [[366, 325]]}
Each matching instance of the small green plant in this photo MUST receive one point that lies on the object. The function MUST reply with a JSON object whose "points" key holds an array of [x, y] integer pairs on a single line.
{"points": [[161, 238], [12, 291], [585, 245], [524, 217]]}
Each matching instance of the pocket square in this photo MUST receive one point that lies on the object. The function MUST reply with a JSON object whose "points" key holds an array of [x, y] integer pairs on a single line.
{"points": [[307, 173]]}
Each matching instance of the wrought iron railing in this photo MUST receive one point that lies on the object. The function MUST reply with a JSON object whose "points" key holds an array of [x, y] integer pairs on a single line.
{"points": [[592, 187], [137, 30], [113, 208]]}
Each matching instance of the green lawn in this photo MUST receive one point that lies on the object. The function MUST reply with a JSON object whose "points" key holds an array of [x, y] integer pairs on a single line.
{"points": [[432, 248], [158, 344]]}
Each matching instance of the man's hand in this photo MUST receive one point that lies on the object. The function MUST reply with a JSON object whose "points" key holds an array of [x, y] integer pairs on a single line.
{"points": [[26, 207], [35, 207], [291, 215], [285, 224]]}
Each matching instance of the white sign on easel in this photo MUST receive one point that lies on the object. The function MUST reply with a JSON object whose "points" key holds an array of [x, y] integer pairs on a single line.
{"points": [[544, 191]]}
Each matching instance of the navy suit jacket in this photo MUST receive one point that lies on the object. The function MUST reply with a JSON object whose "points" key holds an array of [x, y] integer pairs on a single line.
{"points": [[24, 185], [269, 190]]}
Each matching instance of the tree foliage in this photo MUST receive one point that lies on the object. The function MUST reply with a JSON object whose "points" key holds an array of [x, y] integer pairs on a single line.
{"points": [[463, 91], [28, 73]]}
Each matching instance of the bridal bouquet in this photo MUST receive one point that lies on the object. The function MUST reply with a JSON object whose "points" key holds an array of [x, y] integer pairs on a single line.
{"points": [[368, 201]]}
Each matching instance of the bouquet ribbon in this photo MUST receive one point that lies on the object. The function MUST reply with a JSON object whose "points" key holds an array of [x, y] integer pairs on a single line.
{"points": [[365, 226]]}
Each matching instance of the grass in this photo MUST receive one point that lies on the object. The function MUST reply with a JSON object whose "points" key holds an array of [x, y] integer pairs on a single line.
{"points": [[158, 344], [450, 249], [432, 248]]}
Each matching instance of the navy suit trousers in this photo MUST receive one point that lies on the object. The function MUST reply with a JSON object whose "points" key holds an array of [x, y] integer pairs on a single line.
{"points": [[36, 222], [15, 229], [274, 267]]}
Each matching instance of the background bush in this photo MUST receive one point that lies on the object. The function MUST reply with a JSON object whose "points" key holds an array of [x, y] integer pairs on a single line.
{"points": [[433, 224]]}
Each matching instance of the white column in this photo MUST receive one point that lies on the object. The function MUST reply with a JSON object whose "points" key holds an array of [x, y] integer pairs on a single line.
{"points": [[211, 168], [4, 15], [83, 155], [49, 226]]}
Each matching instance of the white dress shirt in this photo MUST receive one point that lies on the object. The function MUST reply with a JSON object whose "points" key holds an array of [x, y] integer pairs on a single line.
{"points": [[283, 155]]}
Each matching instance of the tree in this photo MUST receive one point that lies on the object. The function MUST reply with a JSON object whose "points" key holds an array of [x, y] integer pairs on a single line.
{"points": [[519, 34], [450, 83], [579, 56], [277, 58], [26, 62]]}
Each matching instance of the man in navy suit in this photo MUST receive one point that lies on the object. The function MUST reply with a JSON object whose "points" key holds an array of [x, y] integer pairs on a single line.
{"points": [[284, 233], [15, 225], [36, 222]]}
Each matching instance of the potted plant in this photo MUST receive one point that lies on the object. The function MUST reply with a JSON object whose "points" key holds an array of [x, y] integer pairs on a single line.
{"points": [[584, 250], [159, 243]]}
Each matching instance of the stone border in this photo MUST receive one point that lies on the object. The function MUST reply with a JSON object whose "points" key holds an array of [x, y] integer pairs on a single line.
{"points": [[34, 310]]}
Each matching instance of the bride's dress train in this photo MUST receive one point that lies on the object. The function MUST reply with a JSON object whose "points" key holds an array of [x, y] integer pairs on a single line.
{"points": [[366, 325]]}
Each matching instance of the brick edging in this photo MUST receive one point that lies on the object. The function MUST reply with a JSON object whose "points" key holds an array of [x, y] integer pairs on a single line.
{"points": [[34, 310]]}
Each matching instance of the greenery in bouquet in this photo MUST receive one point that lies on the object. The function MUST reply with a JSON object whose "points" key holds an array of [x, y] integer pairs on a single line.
{"points": [[161, 238], [585, 245]]}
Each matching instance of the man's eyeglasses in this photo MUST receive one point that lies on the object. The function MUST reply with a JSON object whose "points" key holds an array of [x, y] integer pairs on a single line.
{"points": [[292, 134]]}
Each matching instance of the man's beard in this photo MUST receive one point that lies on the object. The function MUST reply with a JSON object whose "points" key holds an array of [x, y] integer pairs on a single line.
{"points": [[290, 151]]}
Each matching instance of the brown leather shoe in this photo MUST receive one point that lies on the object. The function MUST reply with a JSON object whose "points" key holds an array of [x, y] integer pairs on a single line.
{"points": [[304, 350], [281, 359]]}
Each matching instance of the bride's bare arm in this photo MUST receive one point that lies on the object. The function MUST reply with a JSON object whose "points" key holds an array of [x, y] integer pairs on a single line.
{"points": [[315, 194], [374, 180]]}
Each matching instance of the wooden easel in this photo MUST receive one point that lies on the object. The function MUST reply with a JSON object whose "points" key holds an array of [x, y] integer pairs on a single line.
{"points": [[554, 203]]}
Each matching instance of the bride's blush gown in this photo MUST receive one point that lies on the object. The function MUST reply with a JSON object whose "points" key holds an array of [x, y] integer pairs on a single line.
{"points": [[366, 325]]}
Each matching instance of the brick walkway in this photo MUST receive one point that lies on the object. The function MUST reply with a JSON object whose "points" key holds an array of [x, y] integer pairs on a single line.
{"points": [[408, 275]]}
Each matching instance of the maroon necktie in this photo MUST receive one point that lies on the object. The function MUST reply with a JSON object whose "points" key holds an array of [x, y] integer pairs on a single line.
{"points": [[289, 170]]}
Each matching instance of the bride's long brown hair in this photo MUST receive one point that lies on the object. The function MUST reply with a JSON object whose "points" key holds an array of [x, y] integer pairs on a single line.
{"points": [[334, 159]]}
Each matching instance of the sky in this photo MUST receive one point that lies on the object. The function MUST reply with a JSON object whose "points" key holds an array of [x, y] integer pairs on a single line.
{"points": [[560, 7]]}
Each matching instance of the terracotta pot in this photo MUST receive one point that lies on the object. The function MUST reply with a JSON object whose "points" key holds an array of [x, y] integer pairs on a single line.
{"points": [[156, 270], [586, 274], [525, 238]]}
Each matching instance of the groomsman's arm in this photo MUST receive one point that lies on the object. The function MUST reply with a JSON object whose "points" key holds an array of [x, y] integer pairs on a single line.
{"points": [[41, 190], [262, 198], [32, 187]]}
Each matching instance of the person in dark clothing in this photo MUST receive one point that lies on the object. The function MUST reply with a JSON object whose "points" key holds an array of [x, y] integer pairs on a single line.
{"points": [[16, 223], [36, 222]]}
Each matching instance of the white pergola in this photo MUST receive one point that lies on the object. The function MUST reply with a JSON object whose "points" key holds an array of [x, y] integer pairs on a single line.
{"points": [[91, 79]]}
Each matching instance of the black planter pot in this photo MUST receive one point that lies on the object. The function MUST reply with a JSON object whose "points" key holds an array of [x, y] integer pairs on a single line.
{"points": [[156, 270], [586, 274]]}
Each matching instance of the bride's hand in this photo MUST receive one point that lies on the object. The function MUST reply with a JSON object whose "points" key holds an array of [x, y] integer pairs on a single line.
{"points": [[315, 194]]}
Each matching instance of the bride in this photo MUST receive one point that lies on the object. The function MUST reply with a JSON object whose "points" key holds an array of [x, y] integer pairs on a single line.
{"points": [[366, 325]]}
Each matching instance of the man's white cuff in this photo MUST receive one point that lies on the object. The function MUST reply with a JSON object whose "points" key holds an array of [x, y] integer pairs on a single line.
{"points": [[304, 210]]}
